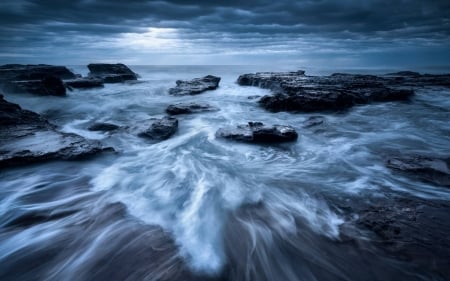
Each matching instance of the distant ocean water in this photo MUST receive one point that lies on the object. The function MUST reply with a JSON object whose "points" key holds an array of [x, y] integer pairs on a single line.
{"points": [[273, 209]]}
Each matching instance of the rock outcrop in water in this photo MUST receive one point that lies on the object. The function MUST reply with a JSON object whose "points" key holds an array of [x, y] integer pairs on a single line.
{"points": [[160, 129], [294, 91], [257, 132], [189, 108], [26, 137], [430, 169], [35, 79], [111, 73], [83, 83], [195, 86]]}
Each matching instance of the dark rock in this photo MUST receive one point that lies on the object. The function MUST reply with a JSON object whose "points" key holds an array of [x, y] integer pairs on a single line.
{"points": [[430, 169], [104, 127], [294, 91], [48, 86], [195, 86], [405, 73], [19, 72], [257, 132], [253, 97], [160, 129], [26, 137], [409, 228], [111, 73], [84, 83], [188, 108]]}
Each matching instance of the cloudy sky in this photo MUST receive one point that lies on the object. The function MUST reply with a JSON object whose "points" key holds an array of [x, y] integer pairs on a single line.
{"points": [[342, 33]]}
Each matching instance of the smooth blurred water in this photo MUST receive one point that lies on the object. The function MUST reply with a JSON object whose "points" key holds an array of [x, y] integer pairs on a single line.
{"points": [[195, 186]]}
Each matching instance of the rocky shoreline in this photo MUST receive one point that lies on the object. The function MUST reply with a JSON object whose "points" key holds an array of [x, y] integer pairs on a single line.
{"points": [[397, 225]]}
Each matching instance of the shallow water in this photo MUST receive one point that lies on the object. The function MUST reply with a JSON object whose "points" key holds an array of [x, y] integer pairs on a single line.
{"points": [[259, 212]]}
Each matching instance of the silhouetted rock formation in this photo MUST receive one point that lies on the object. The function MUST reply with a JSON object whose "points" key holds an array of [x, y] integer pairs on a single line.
{"points": [[34, 79], [431, 169], [257, 132], [195, 86], [188, 108], [26, 137], [160, 129], [20, 72], [294, 91], [111, 73]]}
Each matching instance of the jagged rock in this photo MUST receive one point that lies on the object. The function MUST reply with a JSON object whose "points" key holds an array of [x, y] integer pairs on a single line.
{"points": [[104, 127], [26, 137], [195, 86], [188, 108], [48, 86], [294, 91], [160, 129], [111, 73], [431, 169], [257, 132], [20, 72], [83, 83]]}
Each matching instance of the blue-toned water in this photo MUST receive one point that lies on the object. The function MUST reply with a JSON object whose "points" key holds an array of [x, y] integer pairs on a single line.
{"points": [[260, 212]]}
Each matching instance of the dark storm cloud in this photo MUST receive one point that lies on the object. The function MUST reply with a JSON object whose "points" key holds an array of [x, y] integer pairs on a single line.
{"points": [[227, 26]]}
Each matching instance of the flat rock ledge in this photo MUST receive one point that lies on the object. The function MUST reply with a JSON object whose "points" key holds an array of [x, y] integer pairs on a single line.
{"points": [[160, 129], [26, 137], [111, 73], [195, 86], [435, 170], [295, 91], [189, 108], [40, 79], [257, 132]]}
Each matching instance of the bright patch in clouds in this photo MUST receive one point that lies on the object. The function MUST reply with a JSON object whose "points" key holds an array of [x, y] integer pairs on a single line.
{"points": [[155, 39]]}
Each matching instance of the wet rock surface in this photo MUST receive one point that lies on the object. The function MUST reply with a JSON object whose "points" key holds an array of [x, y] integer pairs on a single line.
{"points": [[295, 91], [111, 73], [160, 129], [195, 86], [84, 83], [257, 132], [408, 228], [26, 137], [189, 108], [430, 169]]}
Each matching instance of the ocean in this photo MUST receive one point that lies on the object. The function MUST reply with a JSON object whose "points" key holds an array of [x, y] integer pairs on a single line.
{"points": [[220, 210]]}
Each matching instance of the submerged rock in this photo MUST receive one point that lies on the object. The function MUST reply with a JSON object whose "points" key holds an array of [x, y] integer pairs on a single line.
{"points": [[195, 86], [84, 83], [294, 91], [26, 137], [257, 132], [111, 73], [430, 169], [104, 127], [313, 121], [188, 108], [160, 129]]}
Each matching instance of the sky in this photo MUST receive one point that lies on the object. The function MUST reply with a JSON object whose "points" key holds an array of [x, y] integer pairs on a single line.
{"points": [[320, 33]]}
